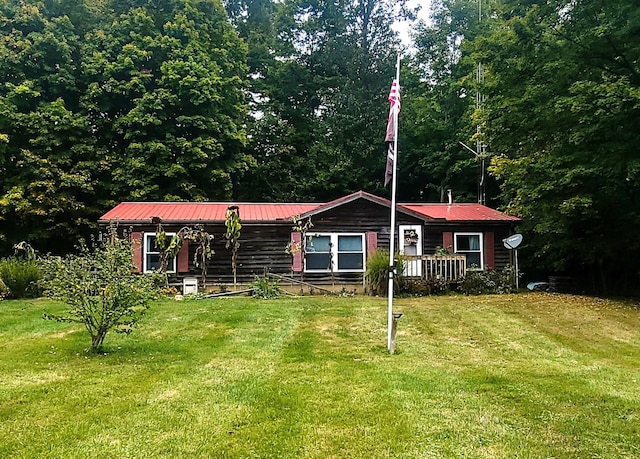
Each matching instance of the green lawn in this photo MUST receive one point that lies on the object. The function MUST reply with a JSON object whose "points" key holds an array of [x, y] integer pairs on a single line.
{"points": [[529, 376]]}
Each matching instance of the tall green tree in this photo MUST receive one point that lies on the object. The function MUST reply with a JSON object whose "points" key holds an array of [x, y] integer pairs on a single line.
{"points": [[321, 106], [49, 174], [111, 100], [438, 107], [563, 111], [165, 96]]}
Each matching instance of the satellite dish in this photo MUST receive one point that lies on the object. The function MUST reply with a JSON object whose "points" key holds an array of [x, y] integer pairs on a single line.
{"points": [[513, 241]]}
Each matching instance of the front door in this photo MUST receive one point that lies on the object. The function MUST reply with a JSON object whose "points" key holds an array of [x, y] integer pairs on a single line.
{"points": [[411, 244]]}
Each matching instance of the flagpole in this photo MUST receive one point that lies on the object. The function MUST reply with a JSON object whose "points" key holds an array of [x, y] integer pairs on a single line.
{"points": [[393, 220]]}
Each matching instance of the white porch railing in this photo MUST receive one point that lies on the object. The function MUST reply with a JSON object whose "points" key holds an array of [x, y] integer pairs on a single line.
{"points": [[446, 267]]}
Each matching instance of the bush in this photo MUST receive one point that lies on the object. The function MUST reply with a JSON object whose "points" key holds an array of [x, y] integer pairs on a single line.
{"points": [[486, 282], [20, 277], [3, 290], [377, 273], [266, 288], [424, 287], [102, 288]]}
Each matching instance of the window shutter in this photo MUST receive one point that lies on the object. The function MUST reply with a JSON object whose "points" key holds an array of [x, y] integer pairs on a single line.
{"points": [[372, 242], [136, 245], [489, 250], [447, 241], [183, 257], [296, 243]]}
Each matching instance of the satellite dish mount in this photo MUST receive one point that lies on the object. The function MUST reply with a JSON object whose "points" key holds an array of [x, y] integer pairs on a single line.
{"points": [[512, 243]]}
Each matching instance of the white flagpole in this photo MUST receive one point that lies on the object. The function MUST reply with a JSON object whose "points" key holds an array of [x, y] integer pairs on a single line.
{"points": [[393, 218]]}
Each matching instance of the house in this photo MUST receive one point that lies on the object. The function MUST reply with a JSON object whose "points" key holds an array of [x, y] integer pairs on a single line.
{"points": [[344, 233]]}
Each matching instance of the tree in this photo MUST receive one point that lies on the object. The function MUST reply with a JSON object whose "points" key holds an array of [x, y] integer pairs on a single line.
{"points": [[233, 226], [562, 112], [439, 104], [114, 100], [49, 175], [102, 289], [320, 102], [165, 96]]}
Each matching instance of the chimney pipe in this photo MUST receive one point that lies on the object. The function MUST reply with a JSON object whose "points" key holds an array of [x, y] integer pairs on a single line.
{"points": [[450, 196]]}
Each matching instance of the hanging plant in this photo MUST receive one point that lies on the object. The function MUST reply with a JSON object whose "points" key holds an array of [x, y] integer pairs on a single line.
{"points": [[410, 237]]}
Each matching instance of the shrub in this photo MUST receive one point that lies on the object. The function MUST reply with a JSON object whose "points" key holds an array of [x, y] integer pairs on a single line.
{"points": [[102, 288], [20, 277], [424, 287], [3, 290], [266, 288], [485, 282], [377, 273]]}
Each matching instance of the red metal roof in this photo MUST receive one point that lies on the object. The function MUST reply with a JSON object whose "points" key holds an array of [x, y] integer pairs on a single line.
{"points": [[183, 212], [202, 211], [460, 212]]}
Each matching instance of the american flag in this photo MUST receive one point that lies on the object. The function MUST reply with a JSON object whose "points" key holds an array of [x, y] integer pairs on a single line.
{"points": [[394, 110]]}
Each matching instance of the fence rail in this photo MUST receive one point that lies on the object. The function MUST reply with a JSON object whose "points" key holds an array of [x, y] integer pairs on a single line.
{"points": [[446, 267]]}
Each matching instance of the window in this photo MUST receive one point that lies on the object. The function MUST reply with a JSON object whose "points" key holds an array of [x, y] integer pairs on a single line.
{"points": [[337, 252], [470, 244], [318, 253], [152, 254]]}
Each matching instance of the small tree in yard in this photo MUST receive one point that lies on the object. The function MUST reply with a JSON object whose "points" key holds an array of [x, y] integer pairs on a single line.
{"points": [[293, 248], [232, 235], [202, 240], [168, 247], [102, 288]]}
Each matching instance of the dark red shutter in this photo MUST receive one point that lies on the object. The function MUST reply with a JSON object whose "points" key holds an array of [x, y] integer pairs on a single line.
{"points": [[183, 257], [136, 245], [372, 242], [296, 246], [447, 241], [489, 250]]}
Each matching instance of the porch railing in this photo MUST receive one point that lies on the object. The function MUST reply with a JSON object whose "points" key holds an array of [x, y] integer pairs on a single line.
{"points": [[446, 267]]}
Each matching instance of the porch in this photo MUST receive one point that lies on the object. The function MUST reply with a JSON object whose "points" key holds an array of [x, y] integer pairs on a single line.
{"points": [[447, 267]]}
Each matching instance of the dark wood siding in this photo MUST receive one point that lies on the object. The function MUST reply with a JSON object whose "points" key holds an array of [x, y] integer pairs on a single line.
{"points": [[433, 238], [361, 216], [262, 246]]}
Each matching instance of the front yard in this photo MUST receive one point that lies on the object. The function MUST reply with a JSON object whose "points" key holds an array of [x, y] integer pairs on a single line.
{"points": [[530, 375]]}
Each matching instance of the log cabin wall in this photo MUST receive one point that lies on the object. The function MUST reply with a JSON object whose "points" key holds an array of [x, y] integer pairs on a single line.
{"points": [[360, 216], [262, 245]]}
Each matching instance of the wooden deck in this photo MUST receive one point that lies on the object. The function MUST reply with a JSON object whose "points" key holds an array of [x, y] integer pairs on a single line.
{"points": [[446, 267]]}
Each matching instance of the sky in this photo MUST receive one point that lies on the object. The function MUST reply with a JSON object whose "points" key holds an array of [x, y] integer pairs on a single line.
{"points": [[403, 28]]}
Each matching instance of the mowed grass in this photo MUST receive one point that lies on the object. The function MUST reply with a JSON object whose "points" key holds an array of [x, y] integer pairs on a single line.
{"points": [[529, 376]]}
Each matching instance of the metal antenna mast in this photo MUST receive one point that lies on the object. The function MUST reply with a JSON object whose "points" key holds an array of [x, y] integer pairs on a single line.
{"points": [[481, 148]]}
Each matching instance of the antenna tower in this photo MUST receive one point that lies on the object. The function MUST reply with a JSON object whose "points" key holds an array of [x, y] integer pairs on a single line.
{"points": [[481, 147]]}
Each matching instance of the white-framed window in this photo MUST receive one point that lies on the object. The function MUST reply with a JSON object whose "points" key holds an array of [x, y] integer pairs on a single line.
{"points": [[335, 251], [151, 254], [470, 244]]}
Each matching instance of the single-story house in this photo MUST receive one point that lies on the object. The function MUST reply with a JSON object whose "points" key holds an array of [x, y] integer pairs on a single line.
{"points": [[344, 233]]}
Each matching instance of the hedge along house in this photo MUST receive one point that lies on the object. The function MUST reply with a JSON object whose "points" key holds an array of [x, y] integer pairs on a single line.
{"points": [[344, 234]]}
